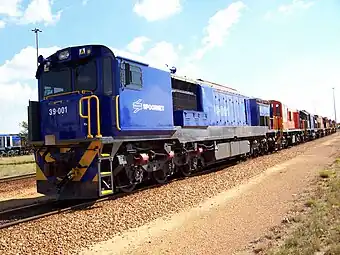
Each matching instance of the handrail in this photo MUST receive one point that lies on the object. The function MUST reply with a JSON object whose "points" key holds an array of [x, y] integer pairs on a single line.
{"points": [[268, 121], [88, 116], [117, 113]]}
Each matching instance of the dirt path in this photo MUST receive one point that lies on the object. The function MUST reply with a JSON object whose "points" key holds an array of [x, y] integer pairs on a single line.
{"points": [[226, 223]]}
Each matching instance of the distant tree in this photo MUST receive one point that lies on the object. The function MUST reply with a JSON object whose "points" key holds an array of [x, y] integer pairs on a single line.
{"points": [[24, 130]]}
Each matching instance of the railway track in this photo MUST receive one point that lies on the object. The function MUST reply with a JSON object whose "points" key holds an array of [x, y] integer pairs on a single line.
{"points": [[17, 177], [15, 216], [28, 213]]}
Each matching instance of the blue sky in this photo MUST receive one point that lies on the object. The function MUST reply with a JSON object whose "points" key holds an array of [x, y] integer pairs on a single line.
{"points": [[274, 49]]}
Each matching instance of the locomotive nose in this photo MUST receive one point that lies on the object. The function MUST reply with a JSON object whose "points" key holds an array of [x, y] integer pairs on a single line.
{"points": [[61, 119]]}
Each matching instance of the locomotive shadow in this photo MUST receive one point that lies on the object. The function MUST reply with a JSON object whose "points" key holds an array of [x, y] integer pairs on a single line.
{"points": [[88, 205], [149, 185], [19, 202]]}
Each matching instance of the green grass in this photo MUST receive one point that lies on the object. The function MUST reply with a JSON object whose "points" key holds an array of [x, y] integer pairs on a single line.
{"points": [[11, 170], [319, 230], [326, 173], [16, 165], [337, 161]]}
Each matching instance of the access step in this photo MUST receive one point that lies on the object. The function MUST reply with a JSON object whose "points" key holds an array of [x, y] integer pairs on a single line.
{"points": [[106, 192], [105, 174]]}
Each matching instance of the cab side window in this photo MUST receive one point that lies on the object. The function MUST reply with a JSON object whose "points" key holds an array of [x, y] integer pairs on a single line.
{"points": [[86, 76], [277, 111], [131, 76], [107, 76]]}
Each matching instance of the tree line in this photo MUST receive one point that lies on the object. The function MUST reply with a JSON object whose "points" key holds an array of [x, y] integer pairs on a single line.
{"points": [[24, 131]]}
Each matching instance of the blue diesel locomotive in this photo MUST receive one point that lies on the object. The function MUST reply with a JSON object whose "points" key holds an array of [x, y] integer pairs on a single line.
{"points": [[10, 145], [104, 123]]}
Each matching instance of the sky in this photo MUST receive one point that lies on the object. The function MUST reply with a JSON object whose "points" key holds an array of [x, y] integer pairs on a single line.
{"points": [[287, 50]]}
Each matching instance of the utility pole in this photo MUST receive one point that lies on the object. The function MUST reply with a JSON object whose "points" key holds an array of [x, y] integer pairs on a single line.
{"points": [[334, 106], [36, 31]]}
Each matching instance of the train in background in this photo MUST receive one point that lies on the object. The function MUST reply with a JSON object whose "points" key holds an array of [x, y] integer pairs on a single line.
{"points": [[104, 124], [13, 145]]}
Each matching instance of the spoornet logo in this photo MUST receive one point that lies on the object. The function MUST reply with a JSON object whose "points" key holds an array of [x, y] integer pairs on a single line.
{"points": [[139, 106]]}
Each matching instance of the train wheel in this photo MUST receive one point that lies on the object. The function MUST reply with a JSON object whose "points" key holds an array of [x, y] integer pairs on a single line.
{"points": [[128, 188], [125, 181], [161, 176], [186, 170], [195, 164], [255, 153]]}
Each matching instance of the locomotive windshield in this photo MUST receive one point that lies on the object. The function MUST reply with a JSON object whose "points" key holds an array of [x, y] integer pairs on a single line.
{"points": [[74, 77], [56, 81], [86, 77]]}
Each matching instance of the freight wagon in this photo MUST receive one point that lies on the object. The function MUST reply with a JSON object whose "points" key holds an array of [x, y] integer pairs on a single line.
{"points": [[104, 124]]}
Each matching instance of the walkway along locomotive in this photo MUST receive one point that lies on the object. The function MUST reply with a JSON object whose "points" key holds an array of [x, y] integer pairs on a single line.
{"points": [[104, 123]]}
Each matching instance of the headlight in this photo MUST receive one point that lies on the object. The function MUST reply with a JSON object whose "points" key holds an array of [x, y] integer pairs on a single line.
{"points": [[64, 55]]}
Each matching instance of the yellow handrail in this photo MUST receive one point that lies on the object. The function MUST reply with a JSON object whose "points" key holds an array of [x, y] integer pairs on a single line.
{"points": [[117, 113], [88, 116]]}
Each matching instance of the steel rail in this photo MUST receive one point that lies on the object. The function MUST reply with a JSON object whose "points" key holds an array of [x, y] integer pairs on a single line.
{"points": [[16, 177], [61, 205]]}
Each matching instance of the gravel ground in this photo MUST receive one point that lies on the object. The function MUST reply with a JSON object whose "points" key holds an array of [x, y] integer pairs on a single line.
{"points": [[70, 232], [19, 193], [16, 186]]}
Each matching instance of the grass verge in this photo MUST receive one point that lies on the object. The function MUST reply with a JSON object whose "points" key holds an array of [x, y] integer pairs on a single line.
{"points": [[317, 231], [26, 159], [19, 169]]}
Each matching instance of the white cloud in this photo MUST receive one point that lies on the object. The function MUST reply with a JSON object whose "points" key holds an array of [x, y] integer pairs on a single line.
{"points": [[84, 2], [295, 5], [190, 69], [137, 44], [22, 66], [303, 82], [37, 11], [2, 24], [219, 26], [13, 105], [163, 53], [10, 7], [269, 15], [159, 55], [18, 86], [215, 33], [40, 11], [289, 8], [153, 10]]}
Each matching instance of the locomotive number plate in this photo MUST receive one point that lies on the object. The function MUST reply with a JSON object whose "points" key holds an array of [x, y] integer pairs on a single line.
{"points": [[57, 111]]}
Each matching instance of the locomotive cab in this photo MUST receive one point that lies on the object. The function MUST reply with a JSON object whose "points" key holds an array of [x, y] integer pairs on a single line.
{"points": [[71, 85]]}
